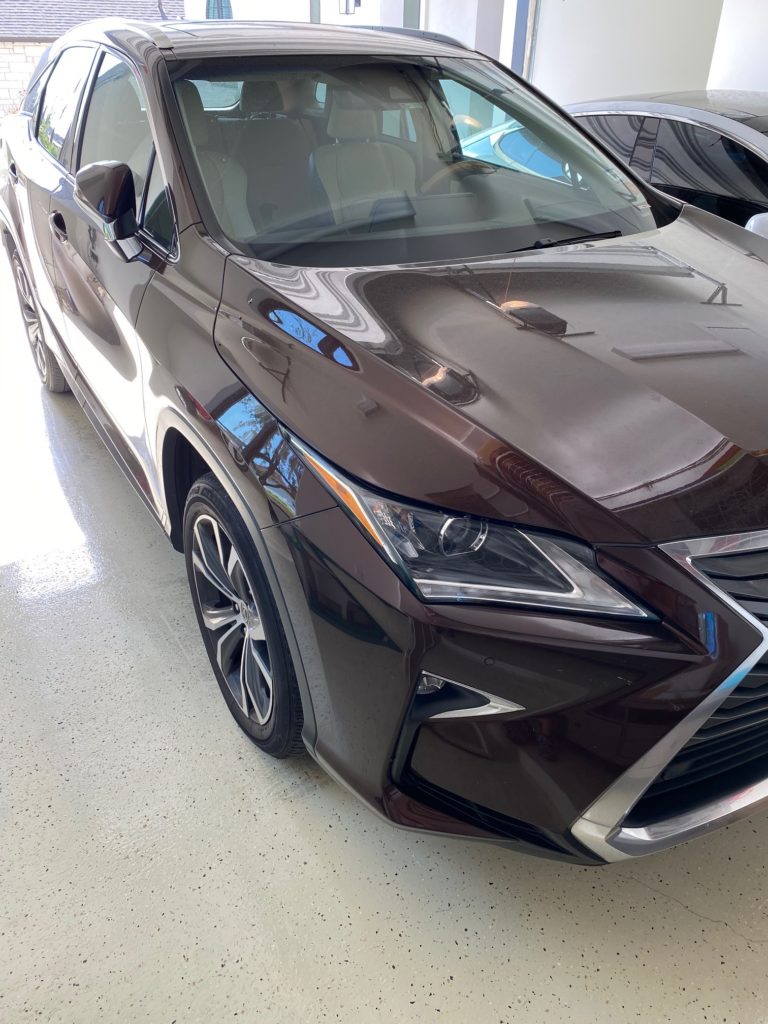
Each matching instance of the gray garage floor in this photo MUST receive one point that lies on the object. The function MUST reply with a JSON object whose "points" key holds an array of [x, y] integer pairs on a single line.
{"points": [[155, 867]]}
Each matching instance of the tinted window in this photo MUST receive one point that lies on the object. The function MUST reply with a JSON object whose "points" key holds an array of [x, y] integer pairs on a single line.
{"points": [[700, 160], [616, 131], [62, 93], [158, 218], [116, 125], [642, 155]]}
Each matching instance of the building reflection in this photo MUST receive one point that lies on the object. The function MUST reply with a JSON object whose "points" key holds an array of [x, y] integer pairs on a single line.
{"points": [[256, 442]]}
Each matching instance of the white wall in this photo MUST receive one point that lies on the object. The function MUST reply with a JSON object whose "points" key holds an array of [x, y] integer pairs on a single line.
{"points": [[739, 60], [370, 12], [257, 10], [17, 62], [590, 49], [485, 25], [456, 18], [507, 35]]}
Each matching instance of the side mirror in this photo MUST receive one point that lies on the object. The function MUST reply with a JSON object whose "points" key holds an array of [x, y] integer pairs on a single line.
{"points": [[758, 224], [105, 192]]}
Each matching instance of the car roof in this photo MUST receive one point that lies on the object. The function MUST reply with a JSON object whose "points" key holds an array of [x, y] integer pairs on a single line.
{"points": [[749, 108], [222, 38]]}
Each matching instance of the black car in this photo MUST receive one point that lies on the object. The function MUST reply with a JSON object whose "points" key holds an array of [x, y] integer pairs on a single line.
{"points": [[706, 148], [467, 461]]}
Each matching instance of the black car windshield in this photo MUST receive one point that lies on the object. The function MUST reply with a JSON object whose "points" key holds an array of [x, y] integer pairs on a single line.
{"points": [[350, 160]]}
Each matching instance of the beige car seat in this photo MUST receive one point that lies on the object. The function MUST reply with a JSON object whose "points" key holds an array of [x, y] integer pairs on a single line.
{"points": [[358, 169], [224, 178], [274, 150]]}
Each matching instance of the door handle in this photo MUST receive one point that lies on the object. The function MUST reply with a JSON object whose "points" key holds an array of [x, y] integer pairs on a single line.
{"points": [[58, 226], [13, 174]]}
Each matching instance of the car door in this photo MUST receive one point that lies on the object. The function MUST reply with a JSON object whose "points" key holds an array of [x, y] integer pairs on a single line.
{"points": [[709, 170], [101, 284], [38, 152]]}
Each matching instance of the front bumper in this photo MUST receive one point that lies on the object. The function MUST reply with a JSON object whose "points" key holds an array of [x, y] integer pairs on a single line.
{"points": [[603, 827], [604, 704]]}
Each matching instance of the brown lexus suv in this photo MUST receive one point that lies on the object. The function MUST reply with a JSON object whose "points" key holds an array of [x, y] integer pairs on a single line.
{"points": [[466, 456]]}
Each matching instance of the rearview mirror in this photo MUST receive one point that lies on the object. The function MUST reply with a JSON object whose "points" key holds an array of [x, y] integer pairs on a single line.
{"points": [[758, 224], [105, 192]]}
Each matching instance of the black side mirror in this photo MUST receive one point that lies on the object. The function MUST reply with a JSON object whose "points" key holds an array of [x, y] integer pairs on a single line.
{"points": [[105, 192]]}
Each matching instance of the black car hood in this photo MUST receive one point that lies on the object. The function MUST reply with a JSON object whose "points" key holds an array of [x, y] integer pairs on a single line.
{"points": [[634, 371]]}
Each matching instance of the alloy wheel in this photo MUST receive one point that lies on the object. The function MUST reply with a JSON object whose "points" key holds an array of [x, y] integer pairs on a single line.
{"points": [[231, 615], [31, 319]]}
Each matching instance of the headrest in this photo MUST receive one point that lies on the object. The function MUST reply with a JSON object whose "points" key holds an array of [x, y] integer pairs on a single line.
{"points": [[350, 119], [299, 95], [193, 111], [261, 96]]}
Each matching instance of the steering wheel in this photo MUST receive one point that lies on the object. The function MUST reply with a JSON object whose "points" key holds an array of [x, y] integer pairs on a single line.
{"points": [[458, 169]]}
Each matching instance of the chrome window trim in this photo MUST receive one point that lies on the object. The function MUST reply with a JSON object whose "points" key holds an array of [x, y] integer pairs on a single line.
{"points": [[600, 828], [737, 131]]}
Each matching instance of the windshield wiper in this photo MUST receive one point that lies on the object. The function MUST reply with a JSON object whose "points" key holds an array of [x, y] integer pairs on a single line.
{"points": [[546, 243]]}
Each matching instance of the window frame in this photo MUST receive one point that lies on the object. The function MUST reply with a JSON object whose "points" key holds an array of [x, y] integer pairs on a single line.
{"points": [[169, 255], [64, 159]]}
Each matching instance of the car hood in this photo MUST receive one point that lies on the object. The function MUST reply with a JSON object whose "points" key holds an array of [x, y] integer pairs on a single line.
{"points": [[616, 389]]}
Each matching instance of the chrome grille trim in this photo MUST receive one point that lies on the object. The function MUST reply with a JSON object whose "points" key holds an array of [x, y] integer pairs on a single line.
{"points": [[600, 828]]}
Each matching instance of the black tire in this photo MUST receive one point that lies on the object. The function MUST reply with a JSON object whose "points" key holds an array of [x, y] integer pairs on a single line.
{"points": [[242, 632], [47, 365]]}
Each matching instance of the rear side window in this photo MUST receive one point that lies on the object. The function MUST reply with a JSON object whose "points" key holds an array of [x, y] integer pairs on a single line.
{"points": [[698, 159], [219, 95], [398, 123], [116, 125], [60, 99], [616, 131]]}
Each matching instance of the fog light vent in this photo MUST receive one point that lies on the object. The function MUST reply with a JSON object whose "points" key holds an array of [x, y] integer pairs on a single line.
{"points": [[429, 683]]}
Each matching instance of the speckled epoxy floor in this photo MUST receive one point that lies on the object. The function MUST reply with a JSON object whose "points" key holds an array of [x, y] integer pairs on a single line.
{"points": [[155, 867]]}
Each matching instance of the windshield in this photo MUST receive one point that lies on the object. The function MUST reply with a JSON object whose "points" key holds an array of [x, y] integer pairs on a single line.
{"points": [[349, 160]]}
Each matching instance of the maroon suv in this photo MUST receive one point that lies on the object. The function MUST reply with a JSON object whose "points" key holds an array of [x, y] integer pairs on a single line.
{"points": [[466, 451]]}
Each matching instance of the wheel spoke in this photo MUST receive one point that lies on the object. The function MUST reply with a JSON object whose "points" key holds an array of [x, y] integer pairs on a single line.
{"points": [[29, 316], [263, 667], [217, 538], [236, 575], [248, 679], [208, 560], [23, 285], [232, 617], [257, 681], [226, 647], [216, 618]]}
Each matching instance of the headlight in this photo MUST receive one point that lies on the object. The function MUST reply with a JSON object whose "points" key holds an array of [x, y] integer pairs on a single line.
{"points": [[450, 557]]}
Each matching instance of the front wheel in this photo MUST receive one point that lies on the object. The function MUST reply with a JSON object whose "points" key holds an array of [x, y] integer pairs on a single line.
{"points": [[239, 621], [48, 369]]}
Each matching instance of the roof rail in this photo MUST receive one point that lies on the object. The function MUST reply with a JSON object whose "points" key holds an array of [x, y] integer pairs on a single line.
{"points": [[437, 37]]}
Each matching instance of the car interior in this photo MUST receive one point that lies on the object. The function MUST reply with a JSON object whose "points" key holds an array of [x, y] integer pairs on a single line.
{"points": [[377, 150]]}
